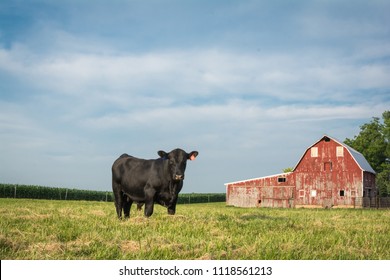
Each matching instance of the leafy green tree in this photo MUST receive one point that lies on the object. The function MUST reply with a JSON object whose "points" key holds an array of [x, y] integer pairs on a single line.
{"points": [[288, 169], [383, 182], [373, 143]]}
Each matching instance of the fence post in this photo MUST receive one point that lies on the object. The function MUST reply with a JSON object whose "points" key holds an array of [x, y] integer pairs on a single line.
{"points": [[15, 192], [66, 194]]}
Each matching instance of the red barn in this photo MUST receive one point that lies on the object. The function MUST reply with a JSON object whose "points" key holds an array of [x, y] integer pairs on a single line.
{"points": [[329, 174]]}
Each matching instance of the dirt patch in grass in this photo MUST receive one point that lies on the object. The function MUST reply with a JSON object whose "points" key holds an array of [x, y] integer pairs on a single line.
{"points": [[34, 217], [206, 256], [8, 244], [98, 213], [130, 246], [43, 250]]}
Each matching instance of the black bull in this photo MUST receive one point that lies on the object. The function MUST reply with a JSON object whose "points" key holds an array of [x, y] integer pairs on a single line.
{"points": [[149, 181]]}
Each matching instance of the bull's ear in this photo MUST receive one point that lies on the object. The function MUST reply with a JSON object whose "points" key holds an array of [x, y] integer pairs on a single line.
{"points": [[162, 154], [192, 155]]}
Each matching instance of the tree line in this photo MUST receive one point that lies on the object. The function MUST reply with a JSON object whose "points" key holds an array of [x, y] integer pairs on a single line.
{"points": [[373, 142]]}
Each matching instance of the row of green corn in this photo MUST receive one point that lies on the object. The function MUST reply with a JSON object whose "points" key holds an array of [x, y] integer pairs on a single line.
{"points": [[42, 192]]}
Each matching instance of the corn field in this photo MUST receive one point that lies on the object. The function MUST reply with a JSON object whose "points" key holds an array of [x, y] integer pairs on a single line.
{"points": [[51, 193]]}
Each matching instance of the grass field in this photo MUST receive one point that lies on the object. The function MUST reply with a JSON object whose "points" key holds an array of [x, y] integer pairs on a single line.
{"points": [[49, 229]]}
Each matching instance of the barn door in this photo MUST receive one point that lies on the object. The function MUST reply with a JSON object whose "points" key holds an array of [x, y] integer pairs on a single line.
{"points": [[327, 201]]}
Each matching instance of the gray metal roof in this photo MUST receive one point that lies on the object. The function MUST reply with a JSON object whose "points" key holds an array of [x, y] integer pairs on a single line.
{"points": [[358, 157]]}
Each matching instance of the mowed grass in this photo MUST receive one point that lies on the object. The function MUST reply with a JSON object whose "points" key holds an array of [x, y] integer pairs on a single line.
{"points": [[57, 230]]}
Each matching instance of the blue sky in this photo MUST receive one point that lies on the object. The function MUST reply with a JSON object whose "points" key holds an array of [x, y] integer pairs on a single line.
{"points": [[248, 84]]}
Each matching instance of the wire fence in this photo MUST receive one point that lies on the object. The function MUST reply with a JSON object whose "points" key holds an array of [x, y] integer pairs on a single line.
{"points": [[373, 202]]}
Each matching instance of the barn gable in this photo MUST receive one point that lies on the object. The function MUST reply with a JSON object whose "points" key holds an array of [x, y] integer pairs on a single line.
{"points": [[357, 157], [329, 174]]}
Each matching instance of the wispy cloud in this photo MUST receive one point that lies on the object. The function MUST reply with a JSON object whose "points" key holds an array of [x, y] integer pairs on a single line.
{"points": [[202, 72]]}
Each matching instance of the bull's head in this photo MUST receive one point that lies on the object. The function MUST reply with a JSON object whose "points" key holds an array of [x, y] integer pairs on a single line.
{"points": [[177, 161]]}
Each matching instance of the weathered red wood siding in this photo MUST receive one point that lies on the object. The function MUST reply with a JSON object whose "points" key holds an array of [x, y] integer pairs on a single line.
{"points": [[328, 179], [262, 192]]}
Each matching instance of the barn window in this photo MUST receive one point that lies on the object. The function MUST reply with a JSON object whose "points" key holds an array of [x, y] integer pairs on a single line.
{"points": [[340, 151], [301, 193], [281, 179], [314, 152], [313, 193], [327, 166], [342, 193]]}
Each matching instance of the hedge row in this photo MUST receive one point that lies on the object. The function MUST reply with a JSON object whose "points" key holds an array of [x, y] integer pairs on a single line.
{"points": [[40, 192], [189, 198]]}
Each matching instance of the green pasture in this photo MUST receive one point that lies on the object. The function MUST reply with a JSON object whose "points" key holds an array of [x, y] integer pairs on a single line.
{"points": [[57, 230]]}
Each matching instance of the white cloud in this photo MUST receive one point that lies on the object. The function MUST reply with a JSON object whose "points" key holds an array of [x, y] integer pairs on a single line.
{"points": [[208, 73]]}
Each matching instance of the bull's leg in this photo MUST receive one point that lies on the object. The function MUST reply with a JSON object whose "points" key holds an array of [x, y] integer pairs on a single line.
{"points": [[149, 206], [172, 205], [118, 195], [127, 202], [149, 200], [172, 209], [139, 206]]}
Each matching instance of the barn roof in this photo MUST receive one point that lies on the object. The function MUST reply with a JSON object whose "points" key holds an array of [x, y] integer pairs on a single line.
{"points": [[358, 157], [258, 178]]}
